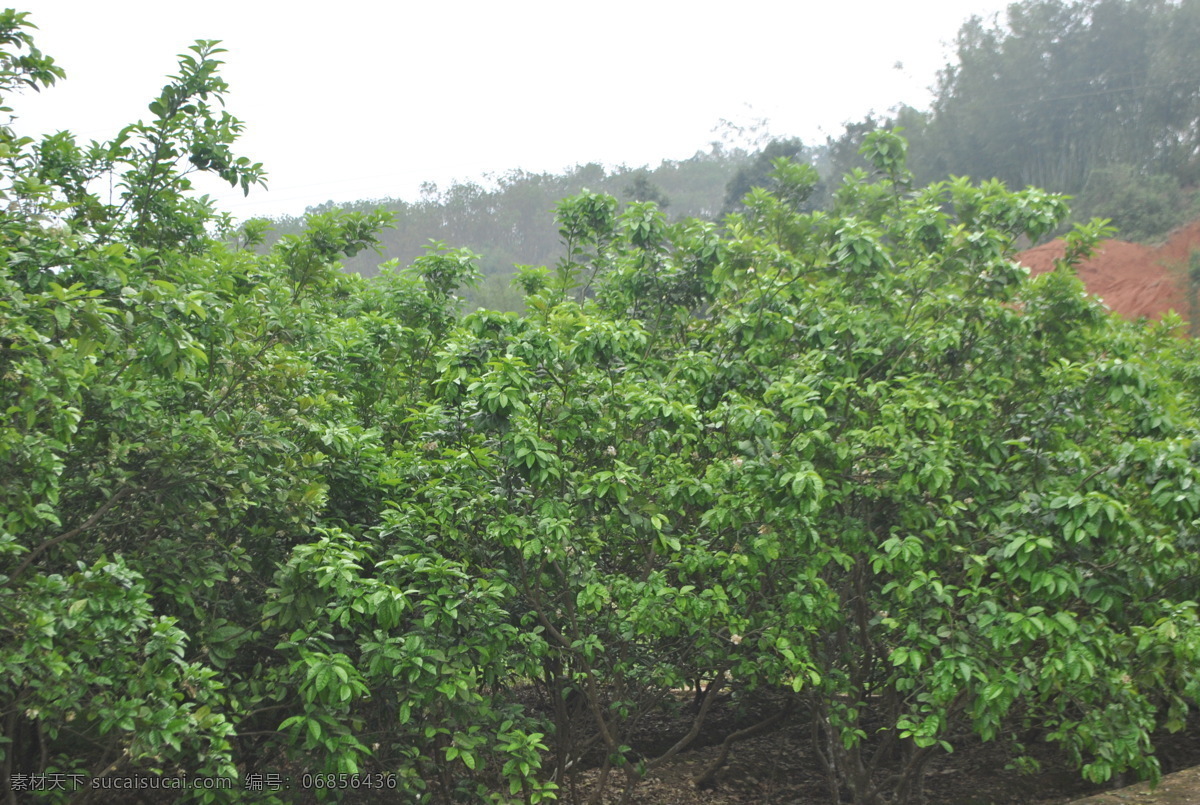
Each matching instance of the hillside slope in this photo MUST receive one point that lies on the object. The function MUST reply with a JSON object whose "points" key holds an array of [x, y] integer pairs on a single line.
{"points": [[1134, 280]]}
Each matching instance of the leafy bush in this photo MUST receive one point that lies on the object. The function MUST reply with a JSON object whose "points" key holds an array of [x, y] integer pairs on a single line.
{"points": [[261, 517], [884, 471]]}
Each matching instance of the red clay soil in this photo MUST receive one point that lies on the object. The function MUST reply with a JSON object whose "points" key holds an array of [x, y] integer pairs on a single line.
{"points": [[1133, 280]]}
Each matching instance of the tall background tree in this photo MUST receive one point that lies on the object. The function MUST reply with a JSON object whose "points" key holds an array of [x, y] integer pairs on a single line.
{"points": [[1098, 98]]}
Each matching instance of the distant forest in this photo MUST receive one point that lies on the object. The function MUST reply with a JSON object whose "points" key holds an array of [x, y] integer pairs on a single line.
{"points": [[512, 222], [1097, 99]]}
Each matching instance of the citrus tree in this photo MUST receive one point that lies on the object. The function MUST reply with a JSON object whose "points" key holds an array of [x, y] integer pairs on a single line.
{"points": [[853, 458], [193, 437]]}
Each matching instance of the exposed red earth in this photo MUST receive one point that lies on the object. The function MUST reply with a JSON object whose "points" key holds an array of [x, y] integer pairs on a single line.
{"points": [[1133, 280]]}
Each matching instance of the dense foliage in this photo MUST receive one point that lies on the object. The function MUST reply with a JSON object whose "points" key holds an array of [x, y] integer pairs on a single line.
{"points": [[1065, 87], [263, 517]]}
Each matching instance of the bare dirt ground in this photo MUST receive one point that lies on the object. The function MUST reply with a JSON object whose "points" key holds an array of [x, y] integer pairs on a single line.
{"points": [[1134, 280], [780, 768], [1181, 788]]}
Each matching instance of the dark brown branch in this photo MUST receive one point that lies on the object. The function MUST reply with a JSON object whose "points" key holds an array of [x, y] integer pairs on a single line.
{"points": [[705, 776], [74, 532], [710, 696]]}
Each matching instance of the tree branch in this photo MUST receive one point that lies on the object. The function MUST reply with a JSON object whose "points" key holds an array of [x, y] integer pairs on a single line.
{"points": [[765, 725], [90, 522]]}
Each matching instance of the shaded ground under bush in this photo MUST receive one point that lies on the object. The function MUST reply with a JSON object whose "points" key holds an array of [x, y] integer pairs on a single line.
{"points": [[781, 768]]}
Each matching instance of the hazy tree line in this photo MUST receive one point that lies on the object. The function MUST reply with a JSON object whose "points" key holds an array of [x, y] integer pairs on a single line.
{"points": [[1099, 99], [510, 220]]}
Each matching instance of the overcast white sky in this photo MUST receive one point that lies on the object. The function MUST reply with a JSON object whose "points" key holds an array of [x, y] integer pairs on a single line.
{"points": [[353, 99]]}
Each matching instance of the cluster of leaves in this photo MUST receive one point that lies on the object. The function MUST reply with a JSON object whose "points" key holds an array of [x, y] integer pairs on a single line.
{"points": [[868, 462], [263, 516]]}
